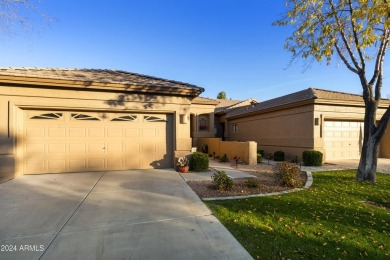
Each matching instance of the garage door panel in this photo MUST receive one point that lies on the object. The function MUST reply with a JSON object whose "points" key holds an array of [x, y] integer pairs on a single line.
{"points": [[95, 132], [78, 149], [35, 166], [115, 133], [132, 132], [132, 162], [32, 148], [95, 164], [77, 132], [35, 132], [56, 166], [56, 148], [96, 147], [56, 132], [71, 142], [77, 164], [115, 148]]}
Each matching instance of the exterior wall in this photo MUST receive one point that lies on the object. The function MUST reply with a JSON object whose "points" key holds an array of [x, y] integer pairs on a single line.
{"points": [[289, 130], [245, 150], [13, 100], [199, 111]]}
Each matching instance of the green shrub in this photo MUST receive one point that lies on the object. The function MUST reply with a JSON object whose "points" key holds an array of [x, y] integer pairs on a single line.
{"points": [[252, 183], [288, 174], [259, 158], [200, 162], [312, 158], [224, 158], [261, 152], [279, 156], [222, 181]]}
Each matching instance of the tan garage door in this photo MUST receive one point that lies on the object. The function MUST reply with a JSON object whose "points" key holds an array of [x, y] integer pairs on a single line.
{"points": [[61, 141], [342, 139]]}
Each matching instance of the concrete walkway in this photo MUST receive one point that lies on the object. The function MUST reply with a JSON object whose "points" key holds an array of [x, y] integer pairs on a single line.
{"points": [[138, 214], [215, 166], [383, 165]]}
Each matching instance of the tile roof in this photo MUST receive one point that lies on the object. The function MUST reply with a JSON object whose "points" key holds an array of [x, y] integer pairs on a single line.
{"points": [[307, 94], [96, 75], [205, 100]]}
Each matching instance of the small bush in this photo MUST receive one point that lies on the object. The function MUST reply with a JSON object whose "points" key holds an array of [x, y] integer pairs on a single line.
{"points": [[288, 174], [222, 181], [252, 183], [224, 158], [312, 158], [200, 162], [279, 156], [261, 152], [259, 158]]}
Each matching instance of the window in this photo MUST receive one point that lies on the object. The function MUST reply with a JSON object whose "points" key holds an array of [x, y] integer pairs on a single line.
{"points": [[154, 119], [204, 122], [234, 128], [125, 118], [48, 116], [85, 117]]}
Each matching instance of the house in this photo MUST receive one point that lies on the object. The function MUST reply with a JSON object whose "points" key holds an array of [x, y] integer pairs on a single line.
{"points": [[328, 121], [74, 120]]}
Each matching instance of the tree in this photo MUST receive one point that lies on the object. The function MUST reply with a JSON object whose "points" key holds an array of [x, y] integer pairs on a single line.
{"points": [[221, 95], [356, 31], [19, 15]]}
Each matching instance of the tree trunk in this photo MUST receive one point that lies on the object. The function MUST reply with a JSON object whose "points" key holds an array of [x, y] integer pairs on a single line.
{"points": [[368, 160]]}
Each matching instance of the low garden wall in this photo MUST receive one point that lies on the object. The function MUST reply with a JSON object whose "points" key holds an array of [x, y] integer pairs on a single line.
{"points": [[247, 151]]}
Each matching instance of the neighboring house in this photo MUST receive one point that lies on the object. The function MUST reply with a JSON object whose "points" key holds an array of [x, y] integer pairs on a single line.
{"points": [[208, 116], [328, 121], [74, 120]]}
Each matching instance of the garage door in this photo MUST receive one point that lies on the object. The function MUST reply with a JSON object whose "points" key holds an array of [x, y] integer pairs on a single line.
{"points": [[342, 139], [58, 141]]}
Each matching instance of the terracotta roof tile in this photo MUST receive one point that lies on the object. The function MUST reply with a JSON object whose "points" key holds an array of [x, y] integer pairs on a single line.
{"points": [[96, 75]]}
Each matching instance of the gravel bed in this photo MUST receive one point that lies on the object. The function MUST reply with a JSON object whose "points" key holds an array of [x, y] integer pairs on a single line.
{"points": [[263, 173]]}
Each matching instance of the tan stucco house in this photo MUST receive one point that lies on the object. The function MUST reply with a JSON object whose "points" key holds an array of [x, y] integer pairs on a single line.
{"points": [[328, 121], [74, 120]]}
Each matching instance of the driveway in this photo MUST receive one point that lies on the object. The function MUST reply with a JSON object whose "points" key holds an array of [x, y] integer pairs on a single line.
{"points": [[137, 214], [382, 166]]}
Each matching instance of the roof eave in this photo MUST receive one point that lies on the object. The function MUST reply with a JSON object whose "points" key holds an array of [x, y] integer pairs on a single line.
{"points": [[102, 86], [272, 109]]}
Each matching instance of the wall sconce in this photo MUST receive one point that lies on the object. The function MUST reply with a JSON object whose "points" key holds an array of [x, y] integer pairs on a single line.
{"points": [[316, 121], [183, 119]]}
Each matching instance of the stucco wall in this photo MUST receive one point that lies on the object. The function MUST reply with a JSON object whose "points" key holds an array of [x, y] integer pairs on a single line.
{"points": [[289, 130], [245, 150], [13, 100]]}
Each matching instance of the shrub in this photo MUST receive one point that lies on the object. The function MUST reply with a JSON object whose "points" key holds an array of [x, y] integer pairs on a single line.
{"points": [[259, 158], [252, 183], [312, 158], [288, 174], [261, 152], [224, 158], [222, 181], [200, 162], [279, 156]]}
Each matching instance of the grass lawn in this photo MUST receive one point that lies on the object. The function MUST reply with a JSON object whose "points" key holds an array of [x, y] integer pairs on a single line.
{"points": [[330, 220]]}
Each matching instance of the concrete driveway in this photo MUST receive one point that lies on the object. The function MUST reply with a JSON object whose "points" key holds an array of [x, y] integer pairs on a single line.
{"points": [[138, 214]]}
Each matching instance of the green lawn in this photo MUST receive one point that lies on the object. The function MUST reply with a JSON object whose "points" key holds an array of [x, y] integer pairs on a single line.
{"points": [[329, 220]]}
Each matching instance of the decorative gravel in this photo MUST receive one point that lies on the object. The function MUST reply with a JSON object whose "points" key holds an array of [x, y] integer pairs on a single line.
{"points": [[263, 173]]}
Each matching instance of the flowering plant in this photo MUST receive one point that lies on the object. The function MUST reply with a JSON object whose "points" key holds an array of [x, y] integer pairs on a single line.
{"points": [[182, 162], [236, 158]]}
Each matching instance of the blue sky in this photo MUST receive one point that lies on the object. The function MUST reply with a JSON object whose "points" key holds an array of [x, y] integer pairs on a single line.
{"points": [[220, 45]]}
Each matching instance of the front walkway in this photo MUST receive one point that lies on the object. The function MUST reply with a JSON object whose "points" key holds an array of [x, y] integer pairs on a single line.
{"points": [[215, 166]]}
